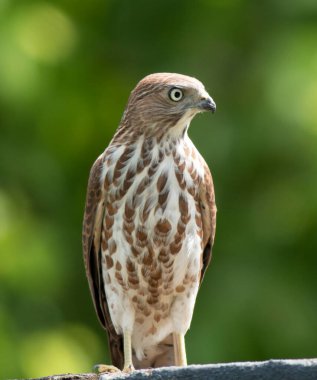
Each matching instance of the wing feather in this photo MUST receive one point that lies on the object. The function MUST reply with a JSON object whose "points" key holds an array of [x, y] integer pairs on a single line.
{"points": [[208, 211], [91, 237]]}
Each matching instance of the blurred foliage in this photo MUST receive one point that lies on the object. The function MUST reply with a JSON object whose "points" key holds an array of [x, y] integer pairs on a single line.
{"points": [[66, 70]]}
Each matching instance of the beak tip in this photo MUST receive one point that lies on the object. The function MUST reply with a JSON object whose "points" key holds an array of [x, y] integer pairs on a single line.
{"points": [[208, 105]]}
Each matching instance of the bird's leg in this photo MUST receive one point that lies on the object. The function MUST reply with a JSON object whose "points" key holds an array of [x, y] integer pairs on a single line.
{"points": [[127, 349], [179, 350]]}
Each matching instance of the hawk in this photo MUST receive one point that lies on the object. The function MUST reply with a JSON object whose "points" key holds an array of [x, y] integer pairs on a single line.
{"points": [[149, 224]]}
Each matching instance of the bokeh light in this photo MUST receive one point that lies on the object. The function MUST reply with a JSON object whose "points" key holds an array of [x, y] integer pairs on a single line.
{"points": [[44, 32]]}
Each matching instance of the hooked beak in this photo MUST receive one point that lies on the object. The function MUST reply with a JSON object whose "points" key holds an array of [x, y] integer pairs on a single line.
{"points": [[207, 104]]}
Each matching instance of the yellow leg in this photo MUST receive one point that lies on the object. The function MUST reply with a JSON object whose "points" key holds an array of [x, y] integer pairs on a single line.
{"points": [[179, 350], [127, 349]]}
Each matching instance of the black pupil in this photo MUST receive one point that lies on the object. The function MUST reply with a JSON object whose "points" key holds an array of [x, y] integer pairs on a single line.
{"points": [[177, 94]]}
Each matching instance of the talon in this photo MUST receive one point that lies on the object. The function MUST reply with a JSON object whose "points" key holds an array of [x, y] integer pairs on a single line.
{"points": [[128, 369], [105, 368]]}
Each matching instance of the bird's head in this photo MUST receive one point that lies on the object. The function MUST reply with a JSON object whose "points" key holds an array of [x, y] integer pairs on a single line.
{"points": [[166, 100]]}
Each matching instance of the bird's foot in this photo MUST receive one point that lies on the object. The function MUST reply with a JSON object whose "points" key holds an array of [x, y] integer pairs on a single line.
{"points": [[128, 368], [105, 368]]}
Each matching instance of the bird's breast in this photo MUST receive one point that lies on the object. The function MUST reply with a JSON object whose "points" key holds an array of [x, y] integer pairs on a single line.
{"points": [[152, 230]]}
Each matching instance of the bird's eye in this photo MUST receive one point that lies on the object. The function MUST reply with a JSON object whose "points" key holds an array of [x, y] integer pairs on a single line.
{"points": [[175, 94]]}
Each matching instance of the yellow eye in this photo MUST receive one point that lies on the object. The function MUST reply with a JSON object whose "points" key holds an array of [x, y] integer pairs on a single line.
{"points": [[175, 94]]}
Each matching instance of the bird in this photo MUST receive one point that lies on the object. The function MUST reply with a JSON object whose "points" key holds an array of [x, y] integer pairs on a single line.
{"points": [[149, 224]]}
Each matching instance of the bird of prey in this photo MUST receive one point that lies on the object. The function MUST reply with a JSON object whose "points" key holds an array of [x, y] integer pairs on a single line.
{"points": [[149, 224]]}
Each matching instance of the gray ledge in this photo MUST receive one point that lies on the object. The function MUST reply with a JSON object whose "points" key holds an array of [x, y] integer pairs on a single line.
{"points": [[300, 369]]}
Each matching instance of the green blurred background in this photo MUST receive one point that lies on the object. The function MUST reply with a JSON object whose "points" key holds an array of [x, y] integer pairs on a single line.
{"points": [[66, 70]]}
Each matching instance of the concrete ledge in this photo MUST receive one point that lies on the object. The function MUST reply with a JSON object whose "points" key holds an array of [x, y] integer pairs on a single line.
{"points": [[301, 369]]}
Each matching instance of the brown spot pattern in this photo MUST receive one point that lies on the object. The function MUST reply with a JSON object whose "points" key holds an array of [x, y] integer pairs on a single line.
{"points": [[146, 154], [161, 182], [109, 262]]}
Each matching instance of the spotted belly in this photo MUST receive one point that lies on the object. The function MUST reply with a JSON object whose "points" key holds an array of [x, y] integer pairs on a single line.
{"points": [[151, 253]]}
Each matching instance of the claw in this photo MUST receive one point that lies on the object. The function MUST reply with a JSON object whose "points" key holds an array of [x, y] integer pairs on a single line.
{"points": [[128, 369], [105, 368]]}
